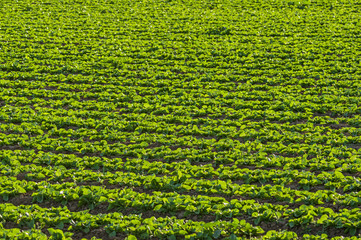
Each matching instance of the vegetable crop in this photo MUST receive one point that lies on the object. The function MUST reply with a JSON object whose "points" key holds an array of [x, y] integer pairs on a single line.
{"points": [[170, 119]]}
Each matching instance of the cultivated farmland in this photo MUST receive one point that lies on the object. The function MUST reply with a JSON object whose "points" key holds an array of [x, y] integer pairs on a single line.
{"points": [[171, 119]]}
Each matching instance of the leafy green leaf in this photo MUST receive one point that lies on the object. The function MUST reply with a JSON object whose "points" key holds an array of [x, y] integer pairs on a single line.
{"points": [[159, 206], [131, 237], [217, 233], [339, 175]]}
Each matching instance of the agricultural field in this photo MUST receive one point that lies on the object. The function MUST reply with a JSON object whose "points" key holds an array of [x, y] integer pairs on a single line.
{"points": [[171, 119]]}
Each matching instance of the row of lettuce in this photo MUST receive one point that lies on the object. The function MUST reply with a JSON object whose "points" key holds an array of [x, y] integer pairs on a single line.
{"points": [[115, 223]]}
